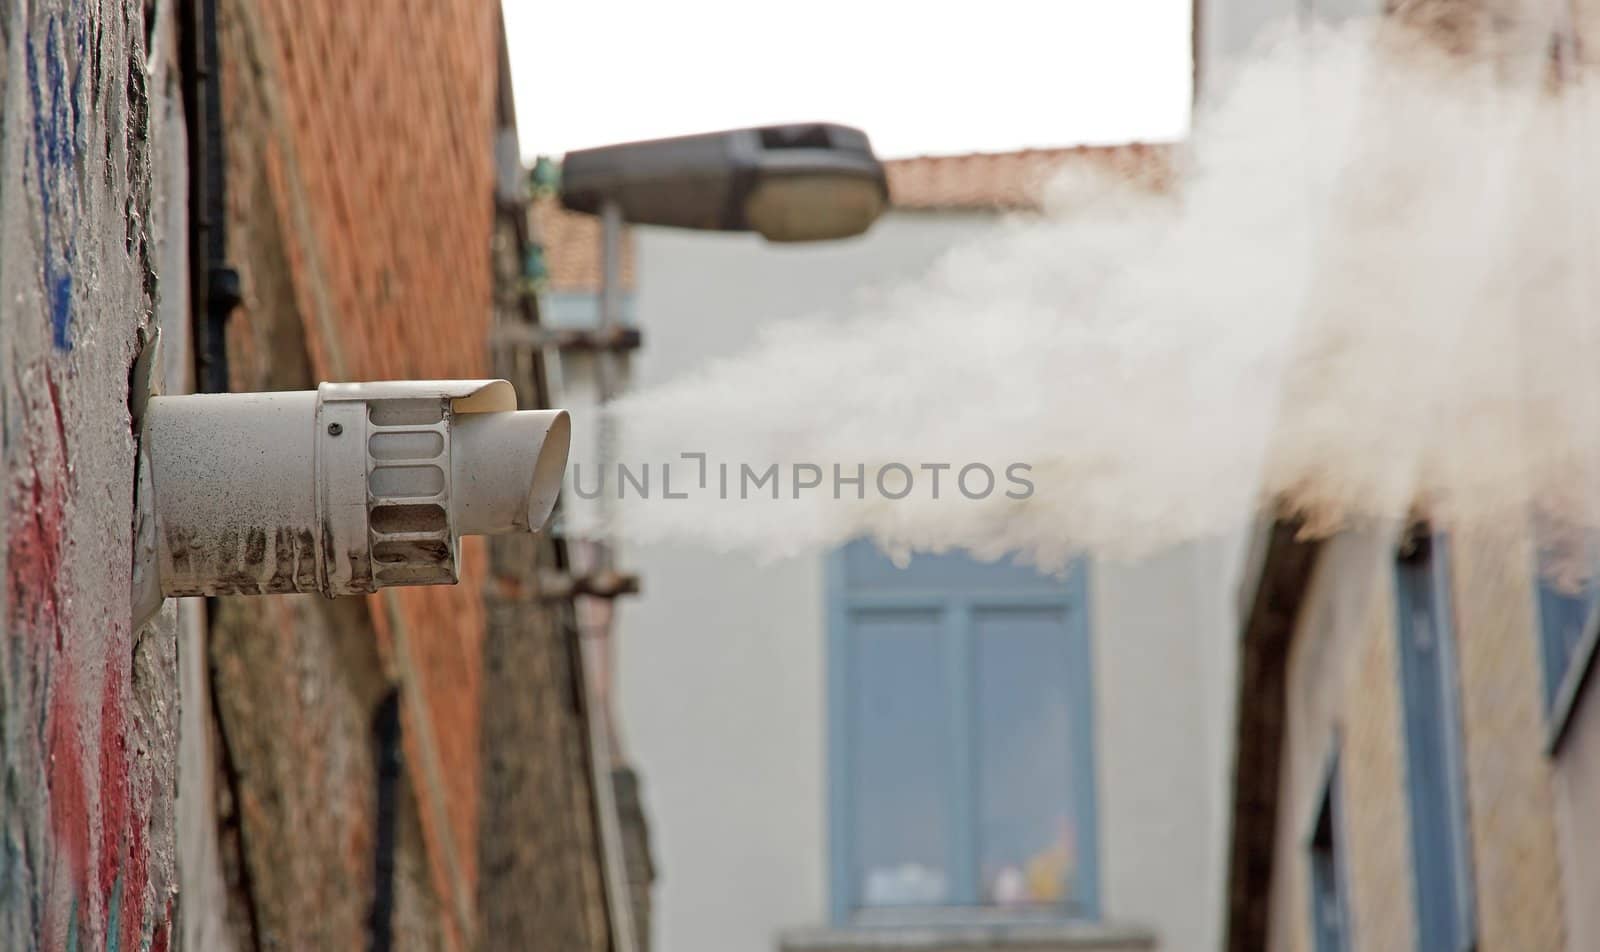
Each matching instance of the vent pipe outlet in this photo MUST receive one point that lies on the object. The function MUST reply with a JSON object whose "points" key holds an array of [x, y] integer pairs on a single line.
{"points": [[345, 489]]}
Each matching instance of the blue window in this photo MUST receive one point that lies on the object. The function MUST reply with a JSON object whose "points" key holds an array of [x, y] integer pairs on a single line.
{"points": [[1568, 597], [1440, 846], [960, 752], [1329, 917]]}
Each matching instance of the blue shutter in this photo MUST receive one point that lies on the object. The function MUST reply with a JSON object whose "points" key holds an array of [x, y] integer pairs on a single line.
{"points": [[1440, 845], [950, 682]]}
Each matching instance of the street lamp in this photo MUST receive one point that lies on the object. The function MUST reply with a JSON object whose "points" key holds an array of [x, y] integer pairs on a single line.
{"points": [[811, 182], [805, 182]]}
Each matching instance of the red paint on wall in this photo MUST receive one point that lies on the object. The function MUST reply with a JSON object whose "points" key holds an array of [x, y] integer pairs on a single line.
{"points": [[161, 939], [97, 854], [69, 795], [96, 819], [33, 564], [122, 820]]}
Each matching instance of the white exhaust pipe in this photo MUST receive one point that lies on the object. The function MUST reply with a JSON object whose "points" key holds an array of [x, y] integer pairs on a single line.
{"points": [[345, 489]]}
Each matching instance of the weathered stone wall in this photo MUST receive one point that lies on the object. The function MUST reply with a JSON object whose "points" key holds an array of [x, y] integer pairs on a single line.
{"points": [[538, 846], [538, 841], [373, 160], [328, 205], [88, 704], [298, 681]]}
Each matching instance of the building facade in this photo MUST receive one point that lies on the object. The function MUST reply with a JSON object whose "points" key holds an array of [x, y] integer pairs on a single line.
{"points": [[836, 752], [286, 194], [1414, 747], [1405, 777]]}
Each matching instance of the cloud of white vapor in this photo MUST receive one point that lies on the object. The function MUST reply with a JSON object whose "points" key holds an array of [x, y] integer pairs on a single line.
{"points": [[1372, 286]]}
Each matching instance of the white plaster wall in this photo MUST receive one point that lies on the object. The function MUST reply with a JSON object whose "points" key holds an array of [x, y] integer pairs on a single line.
{"points": [[722, 668], [1163, 656]]}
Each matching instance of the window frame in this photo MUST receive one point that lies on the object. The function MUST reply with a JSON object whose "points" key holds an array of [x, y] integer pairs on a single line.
{"points": [[1560, 691], [1574, 679], [1461, 875], [956, 610], [1329, 805]]}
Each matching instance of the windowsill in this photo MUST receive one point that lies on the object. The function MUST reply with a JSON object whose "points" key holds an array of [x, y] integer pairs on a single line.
{"points": [[998, 936], [1572, 688]]}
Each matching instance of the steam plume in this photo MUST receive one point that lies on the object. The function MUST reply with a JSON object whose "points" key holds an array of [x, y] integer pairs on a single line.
{"points": [[1374, 286]]}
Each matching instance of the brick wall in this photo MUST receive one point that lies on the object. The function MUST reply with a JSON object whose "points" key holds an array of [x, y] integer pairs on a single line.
{"points": [[88, 703], [379, 148], [361, 215], [360, 201]]}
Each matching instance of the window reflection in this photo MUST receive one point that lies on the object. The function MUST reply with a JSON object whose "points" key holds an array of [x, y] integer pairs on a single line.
{"points": [[1027, 847], [1018, 712], [901, 760], [1568, 561]]}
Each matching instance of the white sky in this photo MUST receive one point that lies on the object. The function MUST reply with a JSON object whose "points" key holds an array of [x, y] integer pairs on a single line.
{"points": [[924, 77]]}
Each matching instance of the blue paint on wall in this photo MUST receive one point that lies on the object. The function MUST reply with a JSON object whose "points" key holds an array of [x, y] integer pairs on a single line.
{"points": [[114, 917], [55, 148]]}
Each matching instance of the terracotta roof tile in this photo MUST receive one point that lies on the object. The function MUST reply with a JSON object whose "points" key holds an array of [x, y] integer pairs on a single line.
{"points": [[1001, 181]]}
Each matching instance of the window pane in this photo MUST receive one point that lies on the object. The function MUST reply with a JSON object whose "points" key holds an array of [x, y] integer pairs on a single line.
{"points": [[1567, 562], [1440, 845], [901, 755], [1327, 905], [1027, 843], [1563, 614]]}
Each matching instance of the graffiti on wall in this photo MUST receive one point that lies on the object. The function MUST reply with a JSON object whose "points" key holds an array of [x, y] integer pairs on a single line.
{"points": [[57, 125], [87, 704]]}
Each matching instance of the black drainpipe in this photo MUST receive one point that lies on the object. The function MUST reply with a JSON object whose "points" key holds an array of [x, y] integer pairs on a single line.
{"points": [[213, 284], [213, 295], [386, 742]]}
